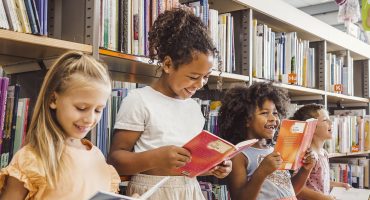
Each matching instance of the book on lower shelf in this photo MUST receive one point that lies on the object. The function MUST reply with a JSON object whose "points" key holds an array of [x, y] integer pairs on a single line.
{"points": [[112, 196], [294, 139], [207, 150], [341, 193]]}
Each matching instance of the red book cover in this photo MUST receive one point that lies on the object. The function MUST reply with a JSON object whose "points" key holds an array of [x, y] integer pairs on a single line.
{"points": [[294, 139], [207, 150]]}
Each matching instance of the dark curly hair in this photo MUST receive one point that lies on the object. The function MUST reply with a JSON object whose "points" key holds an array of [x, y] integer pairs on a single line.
{"points": [[177, 33], [240, 103], [307, 111]]}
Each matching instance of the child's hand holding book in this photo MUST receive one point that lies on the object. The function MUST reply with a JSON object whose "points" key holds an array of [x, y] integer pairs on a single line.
{"points": [[309, 159], [270, 163], [221, 170], [171, 157]]}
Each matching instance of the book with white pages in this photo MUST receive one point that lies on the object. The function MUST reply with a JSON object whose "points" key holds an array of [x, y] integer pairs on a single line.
{"points": [[341, 193], [112, 196]]}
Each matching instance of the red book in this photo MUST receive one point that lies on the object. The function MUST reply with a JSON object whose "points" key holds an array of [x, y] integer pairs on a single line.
{"points": [[208, 150], [294, 139]]}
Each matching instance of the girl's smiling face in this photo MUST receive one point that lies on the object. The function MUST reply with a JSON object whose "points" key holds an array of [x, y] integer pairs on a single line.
{"points": [[264, 122]]}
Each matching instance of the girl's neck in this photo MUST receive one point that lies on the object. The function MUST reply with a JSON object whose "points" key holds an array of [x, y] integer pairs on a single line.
{"points": [[162, 87], [75, 143], [261, 144], [317, 144]]}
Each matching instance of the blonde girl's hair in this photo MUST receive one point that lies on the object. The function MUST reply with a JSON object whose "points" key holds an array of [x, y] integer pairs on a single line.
{"points": [[45, 135]]}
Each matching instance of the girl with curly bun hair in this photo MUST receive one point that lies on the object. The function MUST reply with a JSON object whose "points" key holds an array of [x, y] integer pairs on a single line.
{"points": [[154, 122], [255, 112]]}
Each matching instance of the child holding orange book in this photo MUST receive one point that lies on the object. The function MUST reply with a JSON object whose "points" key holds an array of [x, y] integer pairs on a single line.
{"points": [[318, 184], [255, 112]]}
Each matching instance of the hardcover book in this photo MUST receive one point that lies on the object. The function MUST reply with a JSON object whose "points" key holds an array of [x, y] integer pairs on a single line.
{"points": [[207, 150], [293, 141]]}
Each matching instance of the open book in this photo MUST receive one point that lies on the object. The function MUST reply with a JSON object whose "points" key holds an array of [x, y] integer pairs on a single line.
{"points": [[341, 193], [207, 150], [111, 196], [294, 139]]}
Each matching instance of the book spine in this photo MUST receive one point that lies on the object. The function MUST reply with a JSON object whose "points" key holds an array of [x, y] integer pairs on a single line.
{"points": [[4, 90]]}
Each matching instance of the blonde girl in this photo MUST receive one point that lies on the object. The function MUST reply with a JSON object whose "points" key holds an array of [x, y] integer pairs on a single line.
{"points": [[57, 163], [318, 184]]}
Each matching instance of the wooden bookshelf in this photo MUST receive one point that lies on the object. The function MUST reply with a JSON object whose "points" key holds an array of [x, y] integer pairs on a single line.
{"points": [[21, 47], [131, 65]]}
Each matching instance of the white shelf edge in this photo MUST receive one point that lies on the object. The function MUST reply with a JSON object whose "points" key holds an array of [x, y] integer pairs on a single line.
{"points": [[347, 97], [235, 77]]}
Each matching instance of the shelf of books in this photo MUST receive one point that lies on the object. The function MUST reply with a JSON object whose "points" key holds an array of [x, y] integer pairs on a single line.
{"points": [[20, 52], [312, 29], [334, 155], [334, 97], [17, 47], [142, 67], [295, 90], [31, 31]]}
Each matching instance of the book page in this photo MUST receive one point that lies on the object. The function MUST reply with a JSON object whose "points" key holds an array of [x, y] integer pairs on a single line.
{"points": [[341, 193], [112, 196], [151, 191], [241, 146]]}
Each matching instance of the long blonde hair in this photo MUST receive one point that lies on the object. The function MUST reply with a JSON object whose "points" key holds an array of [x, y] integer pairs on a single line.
{"points": [[45, 134]]}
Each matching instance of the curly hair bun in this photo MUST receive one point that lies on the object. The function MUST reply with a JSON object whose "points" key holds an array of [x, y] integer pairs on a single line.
{"points": [[178, 33]]}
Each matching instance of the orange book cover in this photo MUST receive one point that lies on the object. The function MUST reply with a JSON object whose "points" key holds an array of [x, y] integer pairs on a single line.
{"points": [[294, 139], [207, 150]]}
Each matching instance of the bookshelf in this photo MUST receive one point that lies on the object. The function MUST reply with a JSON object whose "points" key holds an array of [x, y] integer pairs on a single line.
{"points": [[72, 30], [324, 38], [18, 47], [334, 155], [139, 66]]}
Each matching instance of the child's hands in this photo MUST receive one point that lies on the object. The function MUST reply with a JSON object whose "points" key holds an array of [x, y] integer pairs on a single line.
{"points": [[170, 157], [271, 163], [222, 170], [309, 159]]}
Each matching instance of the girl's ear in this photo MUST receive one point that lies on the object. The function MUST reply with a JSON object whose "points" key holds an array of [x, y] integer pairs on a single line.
{"points": [[53, 99], [167, 64]]}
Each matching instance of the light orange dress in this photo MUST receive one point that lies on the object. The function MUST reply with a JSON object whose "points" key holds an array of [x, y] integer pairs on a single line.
{"points": [[86, 173]]}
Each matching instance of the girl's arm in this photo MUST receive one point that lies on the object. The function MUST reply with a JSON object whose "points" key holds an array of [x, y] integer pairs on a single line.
{"points": [[240, 188], [307, 193], [13, 189], [128, 163], [299, 180]]}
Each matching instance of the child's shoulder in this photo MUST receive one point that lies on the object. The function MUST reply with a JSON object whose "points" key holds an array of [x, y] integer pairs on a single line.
{"points": [[25, 158], [27, 152], [25, 167]]}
